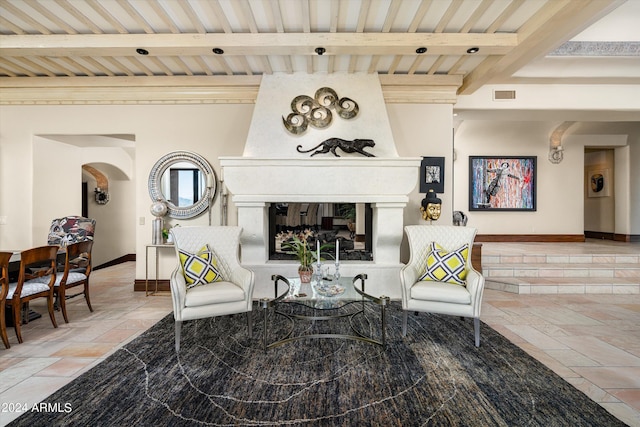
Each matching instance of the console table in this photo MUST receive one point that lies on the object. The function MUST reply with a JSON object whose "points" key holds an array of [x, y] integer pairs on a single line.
{"points": [[156, 248]]}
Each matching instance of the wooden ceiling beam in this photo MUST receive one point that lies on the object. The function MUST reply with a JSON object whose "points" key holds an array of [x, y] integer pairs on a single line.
{"points": [[554, 23], [254, 44]]}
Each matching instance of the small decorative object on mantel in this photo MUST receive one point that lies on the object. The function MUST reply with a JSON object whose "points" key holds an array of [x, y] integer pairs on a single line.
{"points": [[317, 111], [332, 144], [431, 207]]}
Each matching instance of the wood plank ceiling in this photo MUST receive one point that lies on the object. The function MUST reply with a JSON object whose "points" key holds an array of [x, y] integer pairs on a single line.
{"points": [[216, 50]]}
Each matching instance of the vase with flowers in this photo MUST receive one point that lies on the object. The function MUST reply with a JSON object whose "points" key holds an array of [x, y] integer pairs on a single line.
{"points": [[297, 243]]}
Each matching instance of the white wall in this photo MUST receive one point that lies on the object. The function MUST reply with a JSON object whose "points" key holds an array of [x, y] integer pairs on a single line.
{"points": [[559, 187], [424, 131], [215, 130]]}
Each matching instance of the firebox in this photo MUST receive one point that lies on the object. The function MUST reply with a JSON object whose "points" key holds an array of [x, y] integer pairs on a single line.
{"points": [[349, 223]]}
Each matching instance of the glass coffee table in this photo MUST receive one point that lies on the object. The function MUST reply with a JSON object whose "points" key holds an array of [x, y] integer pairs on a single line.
{"points": [[328, 300]]}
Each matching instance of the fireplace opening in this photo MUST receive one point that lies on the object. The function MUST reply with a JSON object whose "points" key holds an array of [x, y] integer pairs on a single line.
{"points": [[350, 223]]}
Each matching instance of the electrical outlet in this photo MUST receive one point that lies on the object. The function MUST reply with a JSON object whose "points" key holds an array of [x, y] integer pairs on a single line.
{"points": [[141, 220], [3, 220]]}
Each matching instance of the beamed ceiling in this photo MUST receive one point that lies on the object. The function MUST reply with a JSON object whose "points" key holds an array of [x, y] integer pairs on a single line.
{"points": [[217, 50]]}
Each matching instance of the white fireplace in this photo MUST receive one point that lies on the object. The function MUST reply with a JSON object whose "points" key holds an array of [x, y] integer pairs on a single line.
{"points": [[272, 171]]}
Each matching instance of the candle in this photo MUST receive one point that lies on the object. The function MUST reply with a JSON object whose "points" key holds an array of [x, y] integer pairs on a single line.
{"points": [[318, 242], [337, 251], [209, 180]]}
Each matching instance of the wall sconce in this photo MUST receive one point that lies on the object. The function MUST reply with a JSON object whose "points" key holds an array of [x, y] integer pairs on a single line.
{"points": [[102, 197], [556, 154]]}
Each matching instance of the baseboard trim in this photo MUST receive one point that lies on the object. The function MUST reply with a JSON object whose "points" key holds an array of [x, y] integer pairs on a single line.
{"points": [[616, 237], [544, 238], [124, 258]]}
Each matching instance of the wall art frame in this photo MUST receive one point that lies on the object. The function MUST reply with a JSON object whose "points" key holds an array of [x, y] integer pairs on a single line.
{"points": [[432, 174], [502, 183], [598, 183]]}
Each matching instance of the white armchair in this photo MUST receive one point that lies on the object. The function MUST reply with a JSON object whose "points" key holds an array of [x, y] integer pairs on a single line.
{"points": [[440, 297], [233, 294]]}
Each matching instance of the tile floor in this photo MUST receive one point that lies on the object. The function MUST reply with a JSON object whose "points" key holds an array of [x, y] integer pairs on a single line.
{"points": [[593, 341]]}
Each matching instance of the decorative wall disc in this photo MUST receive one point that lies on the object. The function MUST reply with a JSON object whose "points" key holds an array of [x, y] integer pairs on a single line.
{"points": [[316, 112]]}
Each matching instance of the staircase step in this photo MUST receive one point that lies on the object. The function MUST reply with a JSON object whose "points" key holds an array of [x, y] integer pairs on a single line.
{"points": [[564, 285], [548, 270], [562, 259]]}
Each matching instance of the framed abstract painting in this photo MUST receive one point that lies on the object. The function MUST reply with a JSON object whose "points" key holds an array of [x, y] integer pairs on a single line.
{"points": [[498, 183]]}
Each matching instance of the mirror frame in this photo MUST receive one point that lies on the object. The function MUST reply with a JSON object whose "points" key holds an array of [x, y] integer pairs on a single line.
{"points": [[183, 212]]}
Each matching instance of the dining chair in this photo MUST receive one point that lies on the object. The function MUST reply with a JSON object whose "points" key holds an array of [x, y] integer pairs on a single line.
{"points": [[36, 278], [4, 289], [77, 268]]}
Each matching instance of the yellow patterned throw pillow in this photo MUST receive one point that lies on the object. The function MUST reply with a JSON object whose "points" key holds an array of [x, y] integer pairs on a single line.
{"points": [[448, 267], [200, 268]]}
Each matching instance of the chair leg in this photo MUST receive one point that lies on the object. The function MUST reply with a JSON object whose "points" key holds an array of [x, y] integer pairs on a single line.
{"points": [[476, 330], [62, 302], [17, 320], [249, 324], [178, 330], [51, 312], [405, 315], [86, 295], [3, 327]]}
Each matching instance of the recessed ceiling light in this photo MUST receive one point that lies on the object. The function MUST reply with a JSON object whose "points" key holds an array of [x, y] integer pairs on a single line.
{"points": [[421, 50], [320, 50], [142, 51], [217, 51], [473, 50]]}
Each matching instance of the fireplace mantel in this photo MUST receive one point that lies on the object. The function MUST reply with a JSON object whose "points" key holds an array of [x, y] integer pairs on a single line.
{"points": [[326, 179]]}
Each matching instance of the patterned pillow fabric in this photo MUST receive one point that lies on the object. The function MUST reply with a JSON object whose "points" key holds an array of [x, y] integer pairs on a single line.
{"points": [[448, 267], [200, 268]]}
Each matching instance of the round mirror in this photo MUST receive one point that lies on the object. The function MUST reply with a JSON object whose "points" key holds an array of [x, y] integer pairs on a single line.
{"points": [[185, 181]]}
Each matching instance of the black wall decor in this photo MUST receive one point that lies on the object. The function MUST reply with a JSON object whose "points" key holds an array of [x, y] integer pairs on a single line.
{"points": [[432, 174]]}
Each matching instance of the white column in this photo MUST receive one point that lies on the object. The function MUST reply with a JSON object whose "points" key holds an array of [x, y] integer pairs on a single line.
{"points": [[252, 217], [388, 227]]}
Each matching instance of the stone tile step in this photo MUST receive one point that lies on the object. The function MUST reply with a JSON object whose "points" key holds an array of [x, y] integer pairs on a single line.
{"points": [[562, 270], [561, 259], [534, 285]]}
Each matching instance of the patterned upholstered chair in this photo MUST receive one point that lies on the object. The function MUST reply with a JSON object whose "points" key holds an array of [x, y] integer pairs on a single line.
{"points": [[210, 282], [452, 286], [71, 229]]}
